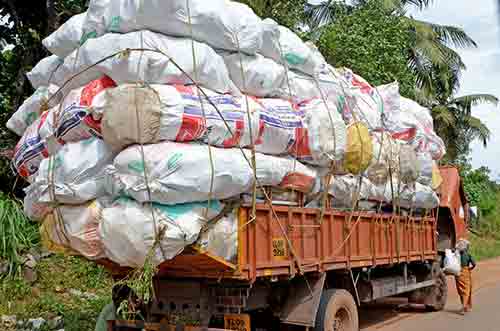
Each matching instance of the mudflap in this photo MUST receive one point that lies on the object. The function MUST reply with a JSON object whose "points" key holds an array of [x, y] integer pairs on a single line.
{"points": [[301, 306]]}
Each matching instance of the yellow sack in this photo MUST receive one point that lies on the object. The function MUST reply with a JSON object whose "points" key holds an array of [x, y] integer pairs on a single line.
{"points": [[48, 229], [437, 179], [359, 149]]}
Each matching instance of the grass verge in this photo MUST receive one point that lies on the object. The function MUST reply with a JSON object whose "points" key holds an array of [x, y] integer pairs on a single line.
{"points": [[51, 295]]}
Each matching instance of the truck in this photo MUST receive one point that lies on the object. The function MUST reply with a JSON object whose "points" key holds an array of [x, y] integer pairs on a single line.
{"points": [[308, 268]]}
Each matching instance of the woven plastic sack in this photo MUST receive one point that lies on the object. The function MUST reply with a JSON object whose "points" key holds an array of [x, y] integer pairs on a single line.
{"points": [[145, 66], [425, 168], [359, 149], [221, 24], [69, 122], [73, 230], [385, 160], [43, 74], [77, 174], [255, 74], [417, 196], [414, 124], [285, 47], [361, 102], [67, 37], [408, 165], [311, 131], [32, 108], [129, 230], [180, 173], [437, 179], [221, 238]]}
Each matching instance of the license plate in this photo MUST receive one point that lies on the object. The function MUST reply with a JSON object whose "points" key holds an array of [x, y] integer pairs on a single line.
{"points": [[239, 322]]}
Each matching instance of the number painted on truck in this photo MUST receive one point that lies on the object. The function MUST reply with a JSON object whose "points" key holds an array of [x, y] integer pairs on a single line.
{"points": [[237, 322], [279, 248]]}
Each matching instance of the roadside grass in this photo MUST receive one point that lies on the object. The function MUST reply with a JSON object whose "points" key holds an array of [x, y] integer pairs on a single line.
{"points": [[484, 247], [50, 296], [485, 237], [17, 234]]}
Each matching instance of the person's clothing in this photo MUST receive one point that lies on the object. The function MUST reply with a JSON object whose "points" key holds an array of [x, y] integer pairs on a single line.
{"points": [[464, 287], [466, 260]]}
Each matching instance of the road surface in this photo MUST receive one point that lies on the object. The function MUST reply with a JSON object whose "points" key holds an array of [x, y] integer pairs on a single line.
{"points": [[484, 317]]}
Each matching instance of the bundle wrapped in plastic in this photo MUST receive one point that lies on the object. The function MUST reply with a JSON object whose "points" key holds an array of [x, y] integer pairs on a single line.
{"points": [[70, 121], [33, 107], [312, 131], [129, 230], [221, 238], [74, 175], [418, 196], [124, 65], [43, 72], [385, 161], [75, 230], [221, 24], [347, 190], [425, 168], [255, 74], [180, 173], [359, 149], [414, 124], [67, 38], [285, 47], [263, 77]]}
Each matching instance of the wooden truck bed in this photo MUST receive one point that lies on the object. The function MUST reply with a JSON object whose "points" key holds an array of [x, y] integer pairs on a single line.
{"points": [[283, 241]]}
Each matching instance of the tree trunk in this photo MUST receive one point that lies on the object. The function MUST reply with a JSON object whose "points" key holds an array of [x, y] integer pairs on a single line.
{"points": [[52, 17]]}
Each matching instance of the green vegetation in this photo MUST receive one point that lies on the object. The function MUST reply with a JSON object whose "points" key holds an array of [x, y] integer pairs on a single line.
{"points": [[373, 43], [17, 233], [53, 294], [485, 195]]}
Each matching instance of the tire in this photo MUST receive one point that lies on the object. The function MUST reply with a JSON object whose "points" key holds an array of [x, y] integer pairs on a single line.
{"points": [[437, 295], [337, 311]]}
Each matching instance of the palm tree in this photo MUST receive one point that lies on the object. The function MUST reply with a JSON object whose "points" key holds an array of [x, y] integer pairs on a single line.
{"points": [[433, 42]]}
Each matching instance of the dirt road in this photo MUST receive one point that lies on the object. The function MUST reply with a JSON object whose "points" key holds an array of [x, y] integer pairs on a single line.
{"points": [[485, 316]]}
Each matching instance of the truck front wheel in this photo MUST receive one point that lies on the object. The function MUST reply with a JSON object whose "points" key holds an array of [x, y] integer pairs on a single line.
{"points": [[337, 311]]}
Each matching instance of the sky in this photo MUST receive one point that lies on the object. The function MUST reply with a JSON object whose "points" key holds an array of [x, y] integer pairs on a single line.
{"points": [[479, 19]]}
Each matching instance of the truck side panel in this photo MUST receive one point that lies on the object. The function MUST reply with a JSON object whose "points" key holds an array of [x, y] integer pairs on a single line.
{"points": [[280, 242]]}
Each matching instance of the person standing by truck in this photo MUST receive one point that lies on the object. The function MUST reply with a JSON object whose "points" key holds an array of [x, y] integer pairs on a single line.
{"points": [[464, 280]]}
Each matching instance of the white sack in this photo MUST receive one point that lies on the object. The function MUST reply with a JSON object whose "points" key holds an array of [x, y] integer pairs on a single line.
{"points": [[312, 131], [452, 264], [179, 173], [418, 196], [76, 228], [67, 38], [68, 122], [147, 66], [285, 47], [43, 74], [221, 239], [222, 24], [77, 170], [425, 165], [262, 77], [32, 108], [414, 124], [128, 230]]}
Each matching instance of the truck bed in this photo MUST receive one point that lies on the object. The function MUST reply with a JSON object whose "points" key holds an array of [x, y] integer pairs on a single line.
{"points": [[283, 241]]}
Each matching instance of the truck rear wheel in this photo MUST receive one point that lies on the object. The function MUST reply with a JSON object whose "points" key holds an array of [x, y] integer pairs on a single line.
{"points": [[438, 294], [337, 312]]}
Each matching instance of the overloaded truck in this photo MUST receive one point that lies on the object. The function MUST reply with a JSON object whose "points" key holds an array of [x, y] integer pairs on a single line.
{"points": [[266, 187], [309, 268]]}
